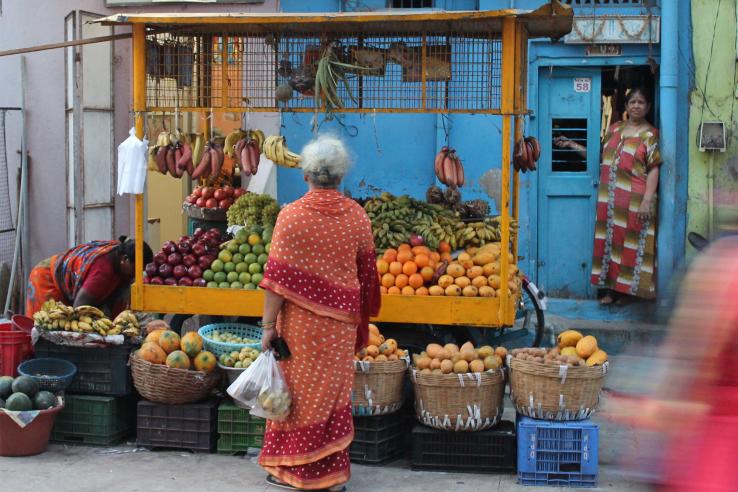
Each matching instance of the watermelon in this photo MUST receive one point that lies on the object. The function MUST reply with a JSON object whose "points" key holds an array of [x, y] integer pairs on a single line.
{"points": [[18, 402], [6, 386], [44, 400], [2, 403], [26, 385]]}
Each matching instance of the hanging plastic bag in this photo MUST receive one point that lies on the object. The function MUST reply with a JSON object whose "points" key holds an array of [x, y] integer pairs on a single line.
{"points": [[132, 160], [262, 388]]}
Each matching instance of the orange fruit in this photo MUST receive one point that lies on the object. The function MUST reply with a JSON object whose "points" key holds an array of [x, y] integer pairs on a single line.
{"points": [[421, 291], [393, 290], [435, 256], [404, 247], [401, 280], [415, 280], [395, 268], [408, 291], [455, 270], [382, 289], [445, 280], [404, 255], [421, 250], [388, 280], [390, 255], [422, 260], [409, 268], [444, 247], [474, 272], [427, 273], [382, 267]]}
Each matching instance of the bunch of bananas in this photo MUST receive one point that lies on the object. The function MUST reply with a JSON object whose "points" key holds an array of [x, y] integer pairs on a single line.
{"points": [[56, 316], [394, 219], [275, 149], [481, 232], [229, 147]]}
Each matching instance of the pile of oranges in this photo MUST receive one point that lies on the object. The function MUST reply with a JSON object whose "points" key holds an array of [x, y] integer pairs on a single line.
{"points": [[407, 269]]}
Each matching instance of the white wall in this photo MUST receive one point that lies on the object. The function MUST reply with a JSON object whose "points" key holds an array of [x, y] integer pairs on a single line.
{"points": [[34, 22]]}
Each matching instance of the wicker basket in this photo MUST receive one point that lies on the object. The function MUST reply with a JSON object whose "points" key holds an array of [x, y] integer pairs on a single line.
{"points": [[378, 387], [554, 392], [163, 384], [459, 402]]}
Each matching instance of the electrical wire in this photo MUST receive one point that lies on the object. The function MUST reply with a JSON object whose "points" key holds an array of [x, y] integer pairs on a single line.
{"points": [[709, 63]]}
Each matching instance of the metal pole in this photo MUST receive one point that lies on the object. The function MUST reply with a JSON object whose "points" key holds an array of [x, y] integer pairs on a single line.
{"points": [[139, 108]]}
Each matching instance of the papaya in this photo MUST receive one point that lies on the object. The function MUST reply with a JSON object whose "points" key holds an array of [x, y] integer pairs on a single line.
{"points": [[152, 352], [191, 344], [598, 358], [178, 359], [568, 338], [586, 347], [569, 351], [169, 341], [205, 361]]}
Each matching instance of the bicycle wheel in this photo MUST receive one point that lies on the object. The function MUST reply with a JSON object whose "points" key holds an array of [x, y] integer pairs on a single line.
{"points": [[529, 309]]}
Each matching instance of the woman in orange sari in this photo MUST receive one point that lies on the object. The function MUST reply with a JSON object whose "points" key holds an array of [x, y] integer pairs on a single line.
{"points": [[321, 287]]}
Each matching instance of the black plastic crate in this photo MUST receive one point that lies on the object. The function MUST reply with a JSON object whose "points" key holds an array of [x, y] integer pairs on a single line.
{"points": [[95, 420], [192, 426], [488, 451], [380, 439], [100, 371]]}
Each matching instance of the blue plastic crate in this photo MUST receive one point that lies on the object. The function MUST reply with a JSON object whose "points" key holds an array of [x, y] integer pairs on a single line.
{"points": [[557, 453]]}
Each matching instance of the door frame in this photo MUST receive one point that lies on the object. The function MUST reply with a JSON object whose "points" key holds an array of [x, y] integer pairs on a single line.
{"points": [[531, 254]]}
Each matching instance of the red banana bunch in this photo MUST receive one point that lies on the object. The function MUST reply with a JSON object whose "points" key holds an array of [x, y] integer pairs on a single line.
{"points": [[448, 167], [526, 153]]}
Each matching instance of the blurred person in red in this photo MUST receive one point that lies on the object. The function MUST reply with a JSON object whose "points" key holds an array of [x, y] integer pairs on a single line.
{"points": [[695, 408]]}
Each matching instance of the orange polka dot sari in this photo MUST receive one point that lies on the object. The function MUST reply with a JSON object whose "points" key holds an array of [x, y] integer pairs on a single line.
{"points": [[322, 261]]}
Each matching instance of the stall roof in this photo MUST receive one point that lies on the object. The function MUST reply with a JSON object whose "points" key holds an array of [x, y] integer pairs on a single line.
{"points": [[551, 20]]}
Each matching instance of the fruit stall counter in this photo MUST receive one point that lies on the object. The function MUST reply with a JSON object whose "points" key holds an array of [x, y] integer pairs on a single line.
{"points": [[266, 54]]}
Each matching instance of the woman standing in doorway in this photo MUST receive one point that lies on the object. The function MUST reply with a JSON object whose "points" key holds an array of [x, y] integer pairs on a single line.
{"points": [[624, 260]]}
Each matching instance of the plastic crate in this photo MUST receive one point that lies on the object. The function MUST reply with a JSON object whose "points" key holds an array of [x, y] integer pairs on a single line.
{"points": [[378, 440], [238, 329], [488, 451], [557, 453], [238, 443], [95, 420], [100, 371], [193, 223], [235, 420], [191, 426]]}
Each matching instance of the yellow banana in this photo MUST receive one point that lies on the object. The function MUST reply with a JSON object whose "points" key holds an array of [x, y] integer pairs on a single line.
{"points": [[231, 140]]}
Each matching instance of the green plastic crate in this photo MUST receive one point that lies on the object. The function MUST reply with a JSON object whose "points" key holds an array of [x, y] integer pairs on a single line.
{"points": [[95, 420], [193, 224], [235, 420], [237, 443]]}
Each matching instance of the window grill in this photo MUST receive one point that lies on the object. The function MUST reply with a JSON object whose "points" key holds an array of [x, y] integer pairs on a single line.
{"points": [[605, 2], [411, 4], [239, 71]]}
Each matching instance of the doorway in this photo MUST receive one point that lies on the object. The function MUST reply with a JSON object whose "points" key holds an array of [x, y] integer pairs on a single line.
{"points": [[579, 104]]}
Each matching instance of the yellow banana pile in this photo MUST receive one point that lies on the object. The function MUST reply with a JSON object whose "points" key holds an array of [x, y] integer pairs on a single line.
{"points": [[56, 316], [275, 149]]}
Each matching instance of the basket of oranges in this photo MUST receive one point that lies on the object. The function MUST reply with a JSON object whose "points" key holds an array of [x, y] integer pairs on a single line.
{"points": [[459, 388], [380, 376]]}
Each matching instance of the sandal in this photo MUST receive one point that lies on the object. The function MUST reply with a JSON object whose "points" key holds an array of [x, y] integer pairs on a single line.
{"points": [[272, 480], [607, 300]]}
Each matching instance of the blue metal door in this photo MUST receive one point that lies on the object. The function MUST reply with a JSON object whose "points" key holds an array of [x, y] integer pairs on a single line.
{"points": [[569, 105]]}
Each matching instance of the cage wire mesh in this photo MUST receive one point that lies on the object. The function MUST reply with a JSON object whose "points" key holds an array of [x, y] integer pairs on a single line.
{"points": [[7, 228], [387, 72]]}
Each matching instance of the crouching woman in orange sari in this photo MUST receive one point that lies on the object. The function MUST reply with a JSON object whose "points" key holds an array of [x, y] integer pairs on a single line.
{"points": [[321, 287]]}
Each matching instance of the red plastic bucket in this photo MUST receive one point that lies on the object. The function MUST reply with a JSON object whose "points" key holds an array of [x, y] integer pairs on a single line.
{"points": [[15, 347], [29, 440], [22, 323]]}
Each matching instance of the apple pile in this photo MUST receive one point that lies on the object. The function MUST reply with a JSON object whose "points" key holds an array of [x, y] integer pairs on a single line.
{"points": [[183, 263], [210, 197]]}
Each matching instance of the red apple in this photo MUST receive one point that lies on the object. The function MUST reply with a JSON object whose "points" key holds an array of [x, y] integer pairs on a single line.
{"points": [[197, 192], [200, 202], [194, 272], [219, 194], [200, 282], [185, 246], [198, 249], [151, 269], [224, 204], [169, 247], [185, 282], [189, 260], [146, 280], [416, 240], [170, 281], [207, 192], [160, 258], [211, 203], [191, 199], [157, 281], [165, 270], [228, 191], [198, 233], [174, 259]]}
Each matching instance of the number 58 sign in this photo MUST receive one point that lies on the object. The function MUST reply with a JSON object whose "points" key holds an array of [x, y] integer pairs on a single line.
{"points": [[582, 84]]}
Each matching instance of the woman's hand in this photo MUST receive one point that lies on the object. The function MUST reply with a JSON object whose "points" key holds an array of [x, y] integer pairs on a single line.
{"points": [[268, 334], [562, 142], [644, 211]]}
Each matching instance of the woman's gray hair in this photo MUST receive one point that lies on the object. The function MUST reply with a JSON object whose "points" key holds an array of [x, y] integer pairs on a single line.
{"points": [[325, 160]]}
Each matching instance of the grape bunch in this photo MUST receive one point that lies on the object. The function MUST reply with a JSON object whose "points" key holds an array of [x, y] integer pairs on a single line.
{"points": [[253, 209]]}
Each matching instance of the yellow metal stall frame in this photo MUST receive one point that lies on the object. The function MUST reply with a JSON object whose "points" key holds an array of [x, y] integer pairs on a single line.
{"points": [[491, 43]]}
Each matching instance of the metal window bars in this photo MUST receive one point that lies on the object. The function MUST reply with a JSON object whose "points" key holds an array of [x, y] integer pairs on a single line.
{"points": [[395, 72]]}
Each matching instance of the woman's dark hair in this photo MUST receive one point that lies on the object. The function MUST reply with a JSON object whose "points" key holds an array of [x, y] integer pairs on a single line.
{"points": [[127, 247], [642, 90]]}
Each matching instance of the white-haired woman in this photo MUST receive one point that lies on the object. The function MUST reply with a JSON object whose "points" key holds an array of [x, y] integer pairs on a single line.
{"points": [[321, 287]]}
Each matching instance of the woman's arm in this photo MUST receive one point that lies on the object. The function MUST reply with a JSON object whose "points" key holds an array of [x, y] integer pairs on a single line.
{"points": [[565, 143], [85, 298], [272, 305], [652, 184]]}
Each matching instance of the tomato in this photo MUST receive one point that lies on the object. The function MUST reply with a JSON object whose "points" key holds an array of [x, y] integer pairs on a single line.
{"points": [[207, 193], [200, 202], [211, 203], [197, 192], [219, 194], [237, 192], [225, 203], [228, 190]]}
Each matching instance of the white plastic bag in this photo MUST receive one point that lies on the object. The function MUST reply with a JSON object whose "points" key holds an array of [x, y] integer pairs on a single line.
{"points": [[132, 164], [262, 388]]}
